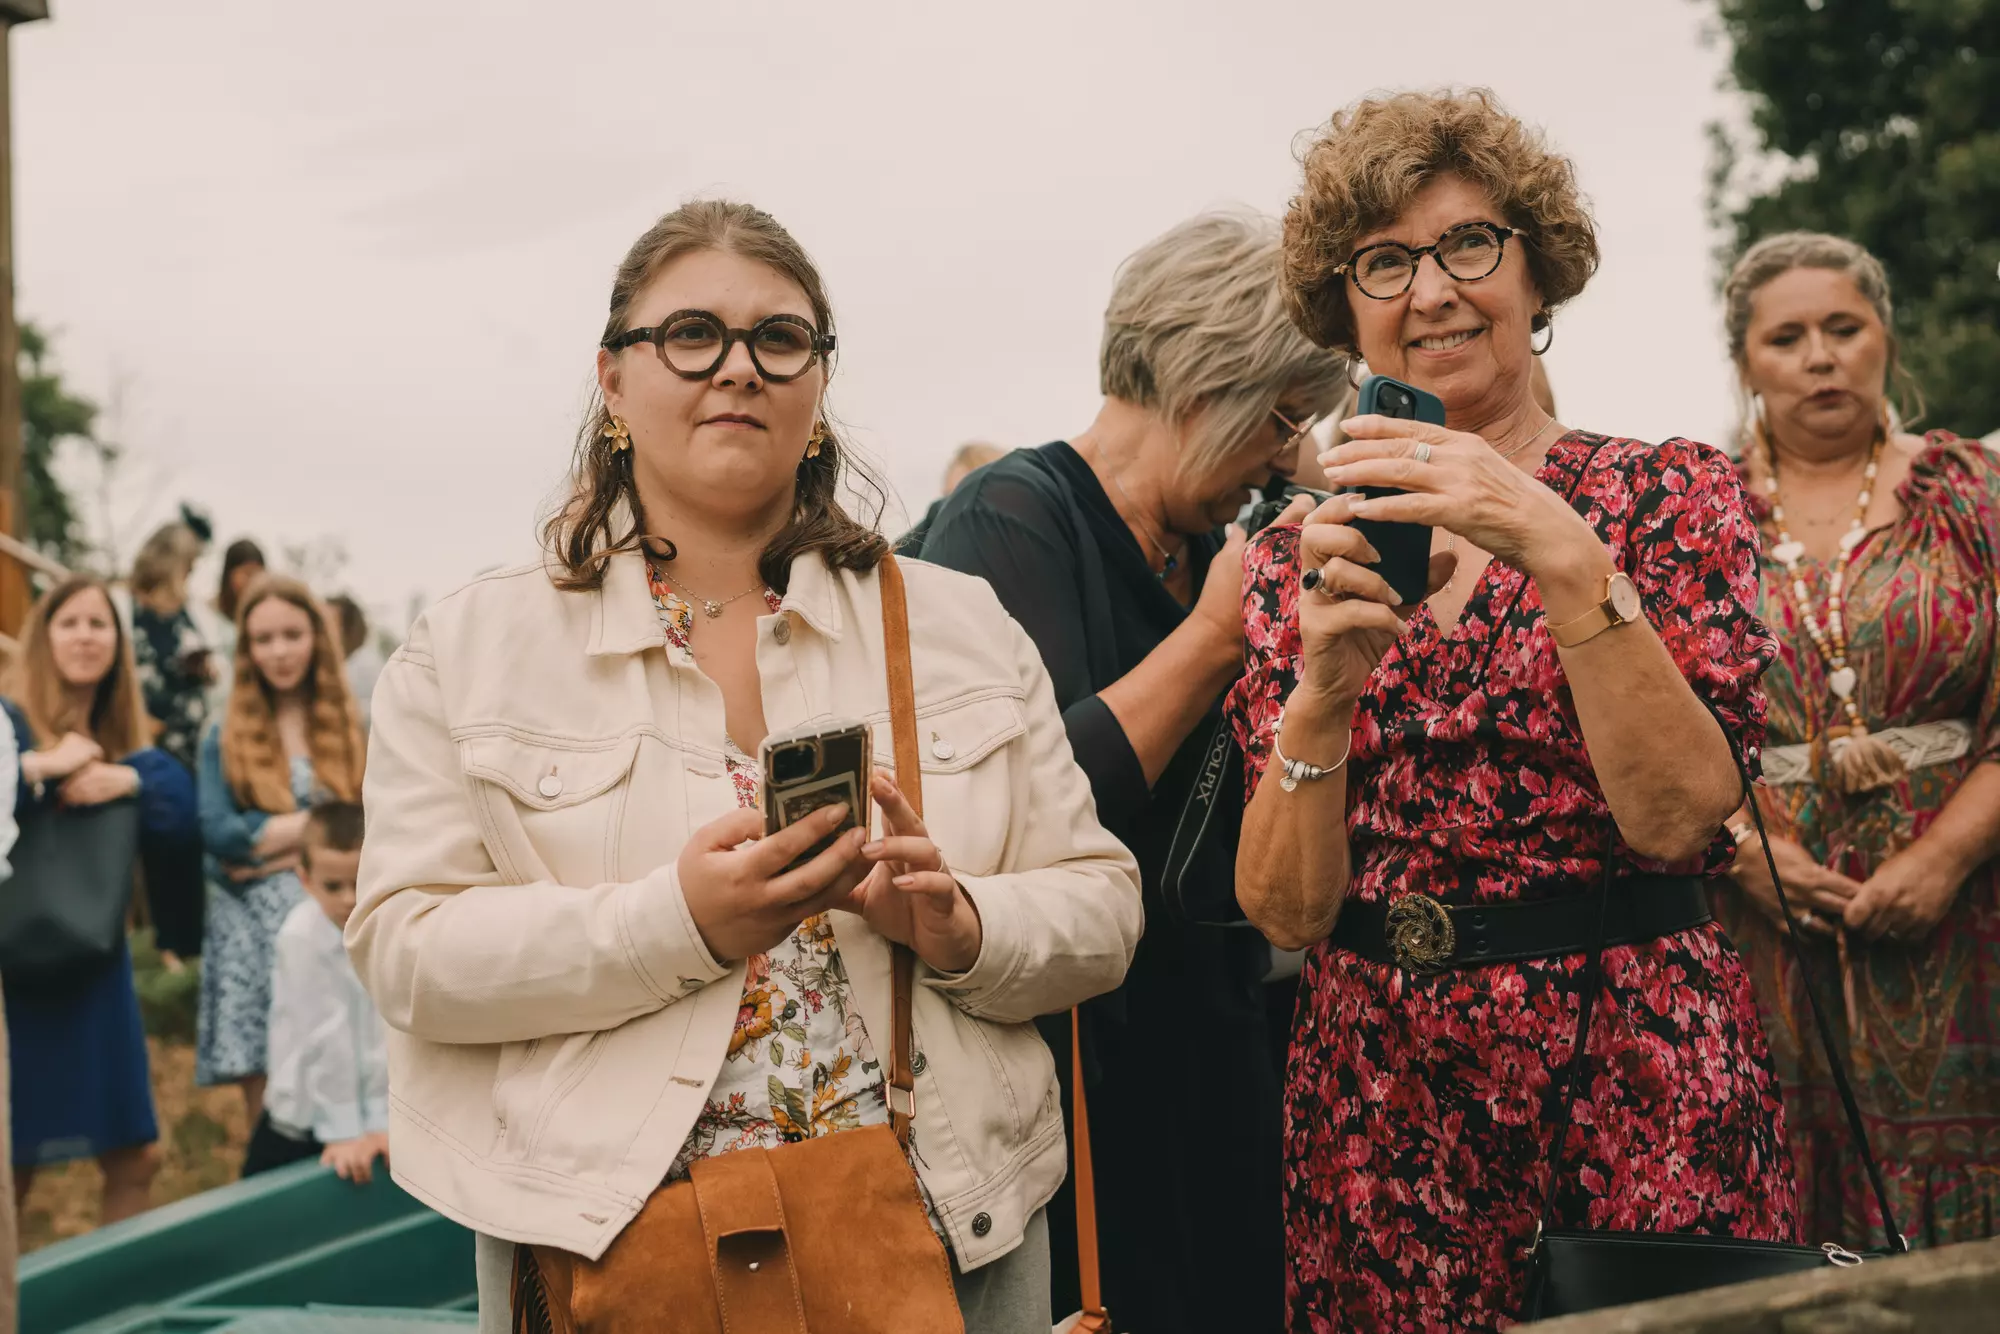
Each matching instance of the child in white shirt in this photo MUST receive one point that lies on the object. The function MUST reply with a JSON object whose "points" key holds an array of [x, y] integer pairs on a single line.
{"points": [[329, 1067]]}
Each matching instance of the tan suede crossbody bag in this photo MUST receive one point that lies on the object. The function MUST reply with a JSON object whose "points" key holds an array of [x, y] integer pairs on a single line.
{"points": [[828, 1235]]}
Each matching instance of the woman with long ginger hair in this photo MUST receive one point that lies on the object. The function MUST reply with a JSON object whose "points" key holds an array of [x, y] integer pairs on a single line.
{"points": [[290, 737], [80, 1083]]}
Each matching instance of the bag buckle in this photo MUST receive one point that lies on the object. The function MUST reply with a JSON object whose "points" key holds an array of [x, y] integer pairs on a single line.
{"points": [[1420, 933], [908, 1107], [1839, 1256]]}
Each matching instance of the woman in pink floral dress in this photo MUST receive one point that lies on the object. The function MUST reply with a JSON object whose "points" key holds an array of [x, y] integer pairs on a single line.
{"points": [[1443, 784]]}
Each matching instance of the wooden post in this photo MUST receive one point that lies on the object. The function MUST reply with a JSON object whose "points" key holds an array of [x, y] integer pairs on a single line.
{"points": [[14, 598]]}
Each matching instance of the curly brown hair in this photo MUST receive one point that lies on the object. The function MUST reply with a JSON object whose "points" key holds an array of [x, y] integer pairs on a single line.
{"points": [[1366, 165], [602, 514], [253, 756]]}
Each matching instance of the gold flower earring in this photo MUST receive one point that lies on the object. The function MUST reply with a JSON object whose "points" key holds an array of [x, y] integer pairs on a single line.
{"points": [[818, 439], [618, 434]]}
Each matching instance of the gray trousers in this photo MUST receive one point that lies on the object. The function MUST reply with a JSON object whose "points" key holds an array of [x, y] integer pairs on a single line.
{"points": [[1009, 1296]]}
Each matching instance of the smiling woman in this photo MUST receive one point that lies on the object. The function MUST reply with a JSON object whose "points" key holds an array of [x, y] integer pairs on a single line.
{"points": [[1533, 734], [78, 1075]]}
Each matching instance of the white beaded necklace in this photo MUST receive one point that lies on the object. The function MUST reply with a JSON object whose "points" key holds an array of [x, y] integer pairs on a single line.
{"points": [[1831, 638]]}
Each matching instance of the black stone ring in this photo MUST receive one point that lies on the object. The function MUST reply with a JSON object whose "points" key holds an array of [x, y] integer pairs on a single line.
{"points": [[1311, 579]]}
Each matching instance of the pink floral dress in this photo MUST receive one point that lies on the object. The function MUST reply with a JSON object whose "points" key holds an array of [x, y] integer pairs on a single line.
{"points": [[1417, 1108]]}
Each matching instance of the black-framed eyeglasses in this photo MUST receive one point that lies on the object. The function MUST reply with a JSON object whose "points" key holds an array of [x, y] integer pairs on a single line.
{"points": [[693, 344], [1468, 252], [1294, 432]]}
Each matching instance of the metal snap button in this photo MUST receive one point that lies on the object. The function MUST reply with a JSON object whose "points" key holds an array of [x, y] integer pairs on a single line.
{"points": [[918, 1064], [982, 1224], [941, 748], [550, 786], [782, 631]]}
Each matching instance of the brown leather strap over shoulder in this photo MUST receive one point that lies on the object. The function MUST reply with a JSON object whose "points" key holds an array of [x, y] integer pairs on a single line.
{"points": [[1095, 1319], [902, 1090]]}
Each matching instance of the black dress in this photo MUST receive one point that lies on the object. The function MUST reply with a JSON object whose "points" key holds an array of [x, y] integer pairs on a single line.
{"points": [[164, 649], [1183, 1082]]}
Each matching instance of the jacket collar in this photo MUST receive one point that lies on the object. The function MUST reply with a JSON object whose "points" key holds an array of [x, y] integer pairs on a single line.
{"points": [[624, 620]]}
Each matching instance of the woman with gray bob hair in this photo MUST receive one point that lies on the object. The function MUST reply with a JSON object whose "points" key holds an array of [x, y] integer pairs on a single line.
{"points": [[1114, 550]]}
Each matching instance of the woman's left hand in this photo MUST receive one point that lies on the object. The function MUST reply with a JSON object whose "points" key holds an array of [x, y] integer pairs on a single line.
{"points": [[1904, 900], [1464, 487], [97, 782], [911, 897]]}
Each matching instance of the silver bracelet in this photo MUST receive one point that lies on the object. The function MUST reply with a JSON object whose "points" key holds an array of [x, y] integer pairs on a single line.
{"points": [[1298, 771]]}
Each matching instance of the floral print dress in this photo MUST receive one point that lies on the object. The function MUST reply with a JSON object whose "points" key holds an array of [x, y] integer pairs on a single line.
{"points": [[1918, 1026], [1418, 1108], [800, 1064]]}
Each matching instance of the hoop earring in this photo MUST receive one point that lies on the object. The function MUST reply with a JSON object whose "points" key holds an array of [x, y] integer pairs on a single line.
{"points": [[1542, 324], [618, 434], [1352, 383], [818, 439]]}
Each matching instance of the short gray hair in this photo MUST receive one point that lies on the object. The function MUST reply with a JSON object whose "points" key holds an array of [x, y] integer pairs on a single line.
{"points": [[1197, 325]]}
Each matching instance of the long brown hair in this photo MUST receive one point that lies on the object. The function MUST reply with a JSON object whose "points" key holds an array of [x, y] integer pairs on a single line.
{"points": [[253, 755], [586, 531], [118, 720]]}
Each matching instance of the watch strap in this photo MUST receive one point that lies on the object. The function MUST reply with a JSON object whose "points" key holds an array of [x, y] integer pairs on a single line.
{"points": [[1584, 628]]}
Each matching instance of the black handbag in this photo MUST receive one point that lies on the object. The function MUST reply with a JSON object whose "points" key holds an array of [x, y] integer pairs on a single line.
{"points": [[62, 914], [1573, 1271]]}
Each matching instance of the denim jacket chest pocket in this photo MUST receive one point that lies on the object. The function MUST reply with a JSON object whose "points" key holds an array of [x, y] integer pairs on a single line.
{"points": [[556, 808], [968, 774]]}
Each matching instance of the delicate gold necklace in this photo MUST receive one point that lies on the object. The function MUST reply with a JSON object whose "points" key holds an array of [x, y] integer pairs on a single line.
{"points": [[709, 606], [1830, 637]]}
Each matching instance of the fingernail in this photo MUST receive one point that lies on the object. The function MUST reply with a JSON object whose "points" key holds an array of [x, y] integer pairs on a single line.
{"points": [[905, 882], [1356, 505], [872, 848]]}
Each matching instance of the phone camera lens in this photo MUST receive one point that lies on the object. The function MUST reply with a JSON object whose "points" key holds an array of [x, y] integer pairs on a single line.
{"points": [[792, 764], [1396, 402]]}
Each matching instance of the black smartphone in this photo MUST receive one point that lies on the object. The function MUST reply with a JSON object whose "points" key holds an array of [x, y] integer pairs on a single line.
{"points": [[1405, 548], [814, 766]]}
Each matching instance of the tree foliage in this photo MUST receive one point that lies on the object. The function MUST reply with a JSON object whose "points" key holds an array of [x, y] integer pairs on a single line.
{"points": [[50, 414], [1879, 120]]}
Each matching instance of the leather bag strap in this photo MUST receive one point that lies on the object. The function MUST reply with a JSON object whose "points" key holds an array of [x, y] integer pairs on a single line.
{"points": [[902, 1089], [1594, 981], [1095, 1319]]}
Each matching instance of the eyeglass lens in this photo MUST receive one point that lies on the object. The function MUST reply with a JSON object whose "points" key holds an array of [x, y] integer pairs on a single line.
{"points": [[1467, 253], [697, 344]]}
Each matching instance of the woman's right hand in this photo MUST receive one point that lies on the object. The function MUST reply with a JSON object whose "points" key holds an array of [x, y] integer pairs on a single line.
{"points": [[741, 897], [68, 755], [1816, 893], [1219, 606], [1349, 621]]}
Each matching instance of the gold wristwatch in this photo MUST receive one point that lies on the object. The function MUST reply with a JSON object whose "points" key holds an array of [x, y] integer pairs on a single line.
{"points": [[1621, 606]]}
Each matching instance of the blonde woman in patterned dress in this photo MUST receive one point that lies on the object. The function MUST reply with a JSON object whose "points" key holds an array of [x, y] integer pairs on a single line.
{"points": [[1881, 560], [594, 969]]}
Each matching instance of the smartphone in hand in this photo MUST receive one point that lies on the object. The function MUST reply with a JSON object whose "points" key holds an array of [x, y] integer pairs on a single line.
{"points": [[1405, 548], [817, 765]]}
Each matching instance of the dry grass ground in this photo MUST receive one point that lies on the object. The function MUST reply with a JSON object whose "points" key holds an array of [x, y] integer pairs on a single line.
{"points": [[202, 1131]]}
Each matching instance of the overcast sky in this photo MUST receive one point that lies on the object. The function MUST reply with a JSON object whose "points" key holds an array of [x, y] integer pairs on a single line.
{"points": [[345, 264]]}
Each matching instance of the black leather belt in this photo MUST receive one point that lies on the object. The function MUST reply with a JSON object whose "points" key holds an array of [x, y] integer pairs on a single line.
{"points": [[1421, 934]]}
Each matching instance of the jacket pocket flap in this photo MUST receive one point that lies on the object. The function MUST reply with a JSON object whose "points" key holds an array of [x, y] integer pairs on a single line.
{"points": [[545, 774], [956, 737]]}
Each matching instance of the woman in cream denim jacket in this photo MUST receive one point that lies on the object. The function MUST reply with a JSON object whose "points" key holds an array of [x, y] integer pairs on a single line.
{"points": [[561, 916]]}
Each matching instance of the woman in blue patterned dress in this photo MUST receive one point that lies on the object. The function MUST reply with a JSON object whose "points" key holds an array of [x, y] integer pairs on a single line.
{"points": [[81, 1087], [289, 737]]}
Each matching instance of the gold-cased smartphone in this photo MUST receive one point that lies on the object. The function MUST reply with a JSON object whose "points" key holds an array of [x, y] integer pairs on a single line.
{"points": [[813, 766]]}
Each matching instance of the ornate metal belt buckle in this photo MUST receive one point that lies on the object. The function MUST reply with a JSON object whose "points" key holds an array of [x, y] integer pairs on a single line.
{"points": [[1420, 933]]}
